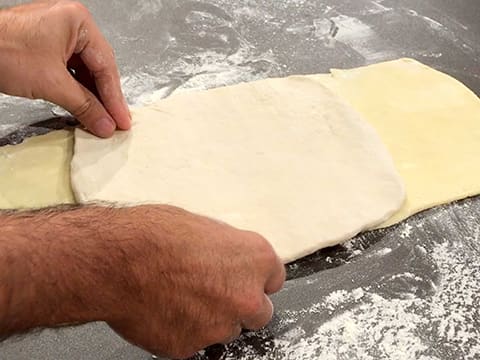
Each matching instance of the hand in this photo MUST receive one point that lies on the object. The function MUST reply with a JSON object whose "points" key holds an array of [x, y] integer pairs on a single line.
{"points": [[166, 280], [199, 283], [40, 42]]}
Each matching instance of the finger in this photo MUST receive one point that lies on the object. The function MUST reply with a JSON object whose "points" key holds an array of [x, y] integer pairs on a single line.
{"points": [[261, 318], [98, 57], [276, 278], [235, 334], [82, 104], [272, 267]]}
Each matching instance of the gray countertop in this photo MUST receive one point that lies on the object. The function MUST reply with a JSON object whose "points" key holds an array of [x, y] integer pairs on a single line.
{"points": [[408, 292]]}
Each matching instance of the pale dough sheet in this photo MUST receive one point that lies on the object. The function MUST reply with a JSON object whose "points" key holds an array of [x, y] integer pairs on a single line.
{"points": [[428, 121], [283, 157], [36, 174]]}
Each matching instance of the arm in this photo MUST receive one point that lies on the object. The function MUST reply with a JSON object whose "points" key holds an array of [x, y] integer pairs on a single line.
{"points": [[53, 264], [39, 42], [167, 280]]}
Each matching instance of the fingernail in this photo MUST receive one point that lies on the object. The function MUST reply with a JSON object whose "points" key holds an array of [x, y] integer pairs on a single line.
{"points": [[104, 127]]}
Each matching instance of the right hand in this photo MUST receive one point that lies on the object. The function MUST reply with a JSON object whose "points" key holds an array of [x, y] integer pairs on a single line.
{"points": [[198, 282]]}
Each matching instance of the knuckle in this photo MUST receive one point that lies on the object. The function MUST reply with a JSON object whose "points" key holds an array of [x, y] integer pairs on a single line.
{"points": [[258, 313], [252, 305], [84, 109], [265, 251], [269, 255], [110, 51], [262, 242], [75, 8]]}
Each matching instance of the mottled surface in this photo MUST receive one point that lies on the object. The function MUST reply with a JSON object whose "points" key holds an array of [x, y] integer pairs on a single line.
{"points": [[410, 291]]}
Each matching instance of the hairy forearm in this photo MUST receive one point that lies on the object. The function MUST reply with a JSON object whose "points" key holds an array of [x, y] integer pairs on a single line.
{"points": [[165, 279], [63, 267]]}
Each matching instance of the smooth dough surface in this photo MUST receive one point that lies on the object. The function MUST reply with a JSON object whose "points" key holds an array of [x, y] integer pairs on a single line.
{"points": [[35, 174], [283, 157], [430, 123]]}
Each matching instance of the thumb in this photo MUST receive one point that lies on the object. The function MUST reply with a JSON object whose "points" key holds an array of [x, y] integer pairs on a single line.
{"points": [[82, 104]]}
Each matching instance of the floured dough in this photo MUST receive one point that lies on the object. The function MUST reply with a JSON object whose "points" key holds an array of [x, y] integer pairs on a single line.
{"points": [[430, 123], [36, 174], [282, 157]]}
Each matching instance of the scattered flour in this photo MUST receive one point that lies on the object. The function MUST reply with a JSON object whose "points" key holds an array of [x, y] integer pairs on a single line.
{"points": [[377, 7], [362, 38], [203, 70], [363, 324], [406, 231], [366, 323], [145, 7], [383, 251]]}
